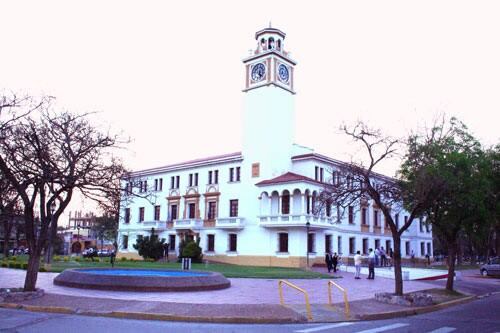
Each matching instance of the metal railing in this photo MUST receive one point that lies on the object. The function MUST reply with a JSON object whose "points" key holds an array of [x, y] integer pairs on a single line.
{"points": [[346, 302], [282, 301]]}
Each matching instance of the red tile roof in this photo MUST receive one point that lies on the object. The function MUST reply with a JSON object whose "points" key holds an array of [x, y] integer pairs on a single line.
{"points": [[288, 177]]}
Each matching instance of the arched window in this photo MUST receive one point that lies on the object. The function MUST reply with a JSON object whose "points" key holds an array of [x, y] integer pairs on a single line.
{"points": [[271, 43], [285, 202], [278, 44], [275, 197], [263, 43]]}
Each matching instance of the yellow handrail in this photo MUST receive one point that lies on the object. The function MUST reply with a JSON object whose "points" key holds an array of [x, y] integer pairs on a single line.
{"points": [[346, 302], [282, 302]]}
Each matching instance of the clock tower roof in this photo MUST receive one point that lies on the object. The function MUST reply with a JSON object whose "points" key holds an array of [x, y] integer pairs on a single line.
{"points": [[269, 31]]}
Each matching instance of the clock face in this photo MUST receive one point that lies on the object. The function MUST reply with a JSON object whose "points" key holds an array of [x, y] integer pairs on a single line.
{"points": [[258, 72], [283, 73]]}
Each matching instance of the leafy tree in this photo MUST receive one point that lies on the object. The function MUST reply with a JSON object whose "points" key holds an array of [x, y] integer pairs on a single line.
{"points": [[150, 247], [192, 249], [449, 164], [105, 227]]}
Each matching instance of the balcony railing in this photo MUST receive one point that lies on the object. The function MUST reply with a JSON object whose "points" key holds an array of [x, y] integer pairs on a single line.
{"points": [[155, 224], [296, 220], [230, 223], [188, 224]]}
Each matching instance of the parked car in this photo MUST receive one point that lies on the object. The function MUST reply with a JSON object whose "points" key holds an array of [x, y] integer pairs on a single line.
{"points": [[89, 253], [104, 253], [491, 268]]}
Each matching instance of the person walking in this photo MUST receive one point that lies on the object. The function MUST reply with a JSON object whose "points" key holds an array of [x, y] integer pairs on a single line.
{"points": [[371, 264], [383, 257], [335, 262], [377, 256], [328, 261], [357, 264]]}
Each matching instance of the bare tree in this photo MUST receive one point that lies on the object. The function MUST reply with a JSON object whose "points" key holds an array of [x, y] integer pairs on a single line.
{"points": [[10, 210], [355, 183], [46, 157]]}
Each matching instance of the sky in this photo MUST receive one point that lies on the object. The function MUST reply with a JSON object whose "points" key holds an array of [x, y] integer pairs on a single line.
{"points": [[168, 74]]}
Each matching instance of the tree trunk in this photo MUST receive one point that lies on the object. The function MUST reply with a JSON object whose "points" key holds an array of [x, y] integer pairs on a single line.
{"points": [[32, 271], [398, 276], [7, 229], [452, 253]]}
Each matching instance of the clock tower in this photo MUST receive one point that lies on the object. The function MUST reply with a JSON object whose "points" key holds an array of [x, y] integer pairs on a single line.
{"points": [[269, 115]]}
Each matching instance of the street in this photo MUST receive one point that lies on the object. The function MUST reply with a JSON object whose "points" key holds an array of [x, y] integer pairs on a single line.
{"points": [[478, 316]]}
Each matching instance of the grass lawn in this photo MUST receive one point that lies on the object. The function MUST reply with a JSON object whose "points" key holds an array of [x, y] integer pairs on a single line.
{"points": [[230, 271]]}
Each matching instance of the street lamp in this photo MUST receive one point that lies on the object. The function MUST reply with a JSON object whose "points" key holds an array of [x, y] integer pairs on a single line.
{"points": [[308, 225], [49, 246]]}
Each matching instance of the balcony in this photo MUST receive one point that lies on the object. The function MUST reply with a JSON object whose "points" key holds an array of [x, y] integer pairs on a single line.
{"points": [[192, 224], [276, 221], [158, 225], [230, 223]]}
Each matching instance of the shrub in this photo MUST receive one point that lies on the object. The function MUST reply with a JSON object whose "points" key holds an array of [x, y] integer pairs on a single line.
{"points": [[66, 259], [77, 259], [57, 258], [42, 269], [192, 250], [150, 247], [5, 264], [123, 259], [24, 266], [13, 258]]}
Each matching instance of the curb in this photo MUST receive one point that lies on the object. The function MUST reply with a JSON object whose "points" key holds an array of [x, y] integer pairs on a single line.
{"points": [[415, 311]]}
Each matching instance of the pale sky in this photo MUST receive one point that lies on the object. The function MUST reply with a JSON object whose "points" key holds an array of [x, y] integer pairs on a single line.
{"points": [[169, 73]]}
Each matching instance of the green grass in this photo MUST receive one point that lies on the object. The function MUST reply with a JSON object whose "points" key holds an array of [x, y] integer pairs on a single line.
{"points": [[230, 271]]}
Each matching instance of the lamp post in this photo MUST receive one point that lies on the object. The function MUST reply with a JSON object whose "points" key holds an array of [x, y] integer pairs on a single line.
{"points": [[308, 225], [49, 246]]}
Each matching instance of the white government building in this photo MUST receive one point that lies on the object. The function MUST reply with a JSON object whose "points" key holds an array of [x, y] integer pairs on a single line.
{"points": [[251, 207]]}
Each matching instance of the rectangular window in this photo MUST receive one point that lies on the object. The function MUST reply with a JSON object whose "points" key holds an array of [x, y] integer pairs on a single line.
{"points": [[375, 218], [210, 243], [231, 174], [422, 249], [172, 182], [316, 173], [255, 169], [156, 184], [190, 179], [171, 242], [192, 210], [233, 242], [351, 214], [161, 184], [321, 171], [211, 210], [311, 246], [145, 186], [421, 223], [141, 214], [365, 245], [125, 242], [238, 174], [283, 242], [216, 177], [210, 177], [406, 219], [127, 215], [178, 181], [157, 213], [196, 179], [427, 227], [377, 243], [363, 216], [429, 249], [339, 245], [352, 245], [387, 246], [328, 243], [233, 208], [407, 248], [173, 212]]}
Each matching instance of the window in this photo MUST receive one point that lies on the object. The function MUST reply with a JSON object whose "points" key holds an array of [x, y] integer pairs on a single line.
{"points": [[422, 249], [377, 243], [396, 221], [211, 210], [210, 177], [328, 208], [233, 208], [173, 212], [421, 222], [125, 242], [127, 215], [311, 246], [237, 174], [255, 169], [427, 227], [429, 249], [365, 245], [283, 242], [285, 203], [231, 174], [192, 210], [233, 242], [316, 173], [190, 179], [156, 184], [328, 243], [172, 182], [352, 245], [196, 179], [375, 218], [177, 181], [321, 171], [171, 242], [363, 216], [387, 246], [141, 214], [161, 184], [351, 214], [406, 219], [210, 243], [234, 174], [216, 177], [339, 244], [157, 213], [407, 248]]}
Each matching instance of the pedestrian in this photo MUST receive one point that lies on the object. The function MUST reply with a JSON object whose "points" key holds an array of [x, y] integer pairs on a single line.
{"points": [[383, 257], [112, 258], [377, 256], [328, 261], [391, 255], [428, 257], [165, 251], [371, 264], [357, 264], [335, 262]]}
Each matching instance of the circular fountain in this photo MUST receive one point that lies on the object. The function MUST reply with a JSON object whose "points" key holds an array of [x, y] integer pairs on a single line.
{"points": [[133, 279]]}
